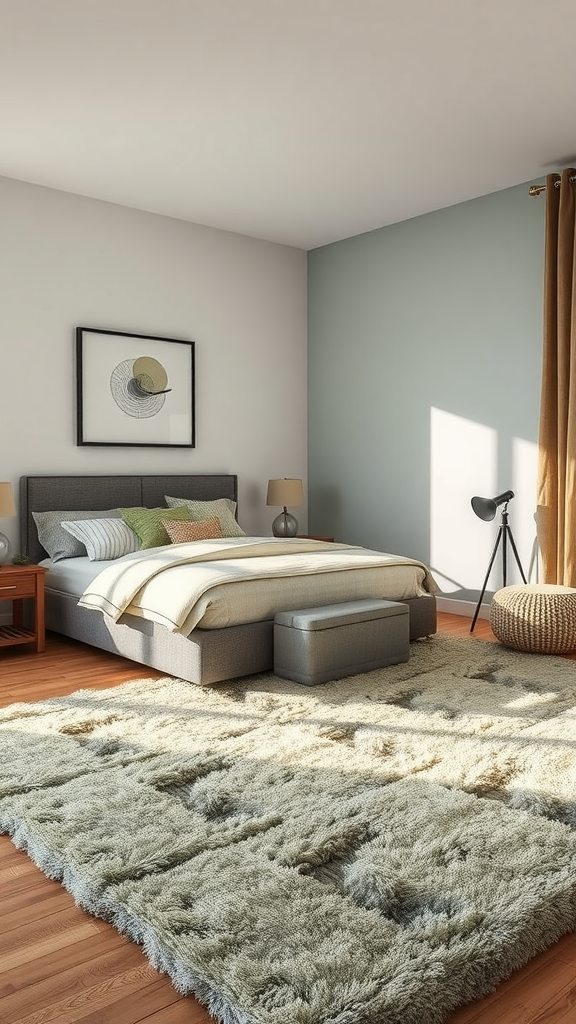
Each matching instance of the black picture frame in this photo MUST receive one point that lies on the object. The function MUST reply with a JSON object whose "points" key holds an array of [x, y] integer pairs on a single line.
{"points": [[134, 390]]}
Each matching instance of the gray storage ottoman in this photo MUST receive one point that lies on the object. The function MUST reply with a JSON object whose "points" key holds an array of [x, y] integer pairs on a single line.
{"points": [[313, 645]]}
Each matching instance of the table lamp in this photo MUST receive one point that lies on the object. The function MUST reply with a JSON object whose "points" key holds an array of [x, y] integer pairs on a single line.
{"points": [[7, 509], [285, 492]]}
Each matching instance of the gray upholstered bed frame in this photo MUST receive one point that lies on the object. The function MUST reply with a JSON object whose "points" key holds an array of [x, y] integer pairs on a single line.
{"points": [[207, 655]]}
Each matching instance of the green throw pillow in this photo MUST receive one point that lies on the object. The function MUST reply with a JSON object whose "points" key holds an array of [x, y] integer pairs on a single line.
{"points": [[147, 523]]}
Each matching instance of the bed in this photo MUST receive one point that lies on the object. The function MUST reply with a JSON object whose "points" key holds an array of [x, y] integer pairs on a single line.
{"points": [[210, 652]]}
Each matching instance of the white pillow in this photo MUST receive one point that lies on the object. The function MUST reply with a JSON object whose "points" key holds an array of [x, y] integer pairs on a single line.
{"points": [[222, 508], [103, 539]]}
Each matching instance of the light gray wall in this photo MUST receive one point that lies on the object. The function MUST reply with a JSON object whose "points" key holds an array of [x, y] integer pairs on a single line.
{"points": [[424, 360], [68, 261]]}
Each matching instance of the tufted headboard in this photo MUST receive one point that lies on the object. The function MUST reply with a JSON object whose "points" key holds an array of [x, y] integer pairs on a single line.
{"points": [[73, 493]]}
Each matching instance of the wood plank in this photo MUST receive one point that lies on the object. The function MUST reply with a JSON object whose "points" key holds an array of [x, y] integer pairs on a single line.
{"points": [[552, 986], [482, 1009], [67, 995], [553, 1014], [36, 940], [63, 956], [157, 1002], [13, 916], [12, 872], [566, 949], [32, 907], [32, 884]]}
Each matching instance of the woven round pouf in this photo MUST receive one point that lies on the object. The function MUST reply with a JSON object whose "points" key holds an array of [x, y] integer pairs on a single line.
{"points": [[536, 617]]}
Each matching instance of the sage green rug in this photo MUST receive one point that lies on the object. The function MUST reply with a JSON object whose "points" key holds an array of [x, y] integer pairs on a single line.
{"points": [[377, 850]]}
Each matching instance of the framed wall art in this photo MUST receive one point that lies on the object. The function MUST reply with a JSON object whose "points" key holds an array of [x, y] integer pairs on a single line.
{"points": [[134, 390]]}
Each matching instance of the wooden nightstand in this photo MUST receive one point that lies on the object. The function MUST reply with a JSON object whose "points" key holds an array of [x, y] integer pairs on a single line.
{"points": [[18, 582]]}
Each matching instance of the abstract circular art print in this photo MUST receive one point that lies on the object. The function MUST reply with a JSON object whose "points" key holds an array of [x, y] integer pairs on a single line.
{"points": [[138, 386]]}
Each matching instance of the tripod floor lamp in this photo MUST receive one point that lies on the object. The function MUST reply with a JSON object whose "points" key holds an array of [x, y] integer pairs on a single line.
{"points": [[485, 508]]}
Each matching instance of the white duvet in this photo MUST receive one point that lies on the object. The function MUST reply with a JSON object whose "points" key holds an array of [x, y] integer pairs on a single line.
{"points": [[175, 585]]}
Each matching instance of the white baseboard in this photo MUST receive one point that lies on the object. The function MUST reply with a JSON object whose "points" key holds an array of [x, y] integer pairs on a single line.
{"points": [[456, 607]]}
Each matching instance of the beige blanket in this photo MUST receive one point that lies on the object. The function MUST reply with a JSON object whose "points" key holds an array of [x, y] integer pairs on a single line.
{"points": [[171, 584]]}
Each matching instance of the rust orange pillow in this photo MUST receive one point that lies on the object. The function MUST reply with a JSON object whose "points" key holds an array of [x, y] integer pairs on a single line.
{"points": [[181, 532]]}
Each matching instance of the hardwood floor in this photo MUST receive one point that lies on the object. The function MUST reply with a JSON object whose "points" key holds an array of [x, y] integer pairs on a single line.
{"points": [[60, 964]]}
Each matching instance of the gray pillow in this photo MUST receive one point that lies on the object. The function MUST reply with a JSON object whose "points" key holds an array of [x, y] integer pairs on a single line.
{"points": [[221, 508], [54, 538]]}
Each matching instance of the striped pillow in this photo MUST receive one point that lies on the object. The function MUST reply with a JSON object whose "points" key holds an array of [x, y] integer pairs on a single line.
{"points": [[103, 539], [59, 543], [180, 533]]}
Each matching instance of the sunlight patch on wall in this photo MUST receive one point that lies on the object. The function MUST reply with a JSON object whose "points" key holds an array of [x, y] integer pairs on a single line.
{"points": [[464, 458], [463, 461]]}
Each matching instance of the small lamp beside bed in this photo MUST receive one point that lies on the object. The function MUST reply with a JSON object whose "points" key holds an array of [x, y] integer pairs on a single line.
{"points": [[7, 509], [284, 492]]}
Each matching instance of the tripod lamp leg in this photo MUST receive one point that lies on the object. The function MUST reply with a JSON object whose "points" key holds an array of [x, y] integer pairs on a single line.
{"points": [[490, 564]]}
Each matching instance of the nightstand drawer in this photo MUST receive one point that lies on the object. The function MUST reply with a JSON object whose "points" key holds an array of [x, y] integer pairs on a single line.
{"points": [[17, 583], [14, 586]]}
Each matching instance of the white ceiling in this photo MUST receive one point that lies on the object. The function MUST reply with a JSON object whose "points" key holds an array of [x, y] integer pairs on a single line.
{"points": [[297, 121]]}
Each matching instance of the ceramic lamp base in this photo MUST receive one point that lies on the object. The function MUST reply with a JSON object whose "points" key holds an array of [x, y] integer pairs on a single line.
{"points": [[4, 549], [285, 525]]}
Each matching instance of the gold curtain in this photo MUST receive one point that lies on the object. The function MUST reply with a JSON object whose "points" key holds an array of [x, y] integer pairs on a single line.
{"points": [[557, 435]]}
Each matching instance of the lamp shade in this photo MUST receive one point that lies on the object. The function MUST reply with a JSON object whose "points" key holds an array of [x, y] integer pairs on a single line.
{"points": [[485, 508], [285, 492], [7, 507]]}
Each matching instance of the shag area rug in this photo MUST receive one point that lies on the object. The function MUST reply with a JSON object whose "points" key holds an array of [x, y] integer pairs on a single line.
{"points": [[377, 850]]}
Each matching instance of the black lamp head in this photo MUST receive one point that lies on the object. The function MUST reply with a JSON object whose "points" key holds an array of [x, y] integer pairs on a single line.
{"points": [[485, 508]]}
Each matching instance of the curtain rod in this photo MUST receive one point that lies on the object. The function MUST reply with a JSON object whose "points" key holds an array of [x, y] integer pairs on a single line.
{"points": [[535, 190]]}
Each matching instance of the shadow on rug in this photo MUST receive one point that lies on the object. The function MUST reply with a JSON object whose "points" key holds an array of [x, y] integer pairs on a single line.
{"points": [[376, 850]]}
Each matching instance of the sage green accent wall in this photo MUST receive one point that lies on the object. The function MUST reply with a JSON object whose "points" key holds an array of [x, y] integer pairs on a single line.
{"points": [[424, 355]]}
